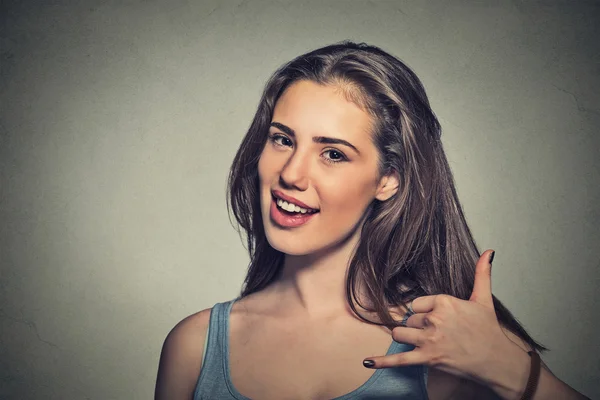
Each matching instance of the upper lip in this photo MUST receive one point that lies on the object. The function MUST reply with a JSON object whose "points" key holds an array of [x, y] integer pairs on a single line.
{"points": [[292, 200]]}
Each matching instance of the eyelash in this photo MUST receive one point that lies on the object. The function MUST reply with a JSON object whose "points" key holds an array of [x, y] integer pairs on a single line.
{"points": [[274, 137]]}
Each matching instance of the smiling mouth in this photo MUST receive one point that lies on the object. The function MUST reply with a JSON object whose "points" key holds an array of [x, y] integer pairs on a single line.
{"points": [[291, 208]]}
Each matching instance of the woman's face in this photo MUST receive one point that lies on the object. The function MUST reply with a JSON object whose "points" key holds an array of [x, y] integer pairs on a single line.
{"points": [[320, 154]]}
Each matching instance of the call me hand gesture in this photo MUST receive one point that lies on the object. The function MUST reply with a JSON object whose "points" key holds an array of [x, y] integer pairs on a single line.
{"points": [[464, 338]]}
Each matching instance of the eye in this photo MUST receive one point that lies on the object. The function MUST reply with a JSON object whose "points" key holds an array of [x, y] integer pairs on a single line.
{"points": [[280, 140], [335, 156]]}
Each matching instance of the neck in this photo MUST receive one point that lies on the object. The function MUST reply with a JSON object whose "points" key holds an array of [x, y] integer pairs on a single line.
{"points": [[313, 286]]}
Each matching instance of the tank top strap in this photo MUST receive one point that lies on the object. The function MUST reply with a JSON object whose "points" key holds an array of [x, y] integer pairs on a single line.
{"points": [[213, 375], [222, 324]]}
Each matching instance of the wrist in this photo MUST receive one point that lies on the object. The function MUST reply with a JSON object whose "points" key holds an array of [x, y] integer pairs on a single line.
{"points": [[510, 374]]}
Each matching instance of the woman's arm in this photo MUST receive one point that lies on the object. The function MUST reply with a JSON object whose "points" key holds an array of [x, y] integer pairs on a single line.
{"points": [[511, 379], [181, 358]]}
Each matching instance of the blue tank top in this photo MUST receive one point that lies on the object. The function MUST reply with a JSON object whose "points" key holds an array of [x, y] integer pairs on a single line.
{"points": [[214, 382]]}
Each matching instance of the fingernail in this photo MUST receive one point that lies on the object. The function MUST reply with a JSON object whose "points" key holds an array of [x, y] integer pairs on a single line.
{"points": [[492, 256], [369, 363]]}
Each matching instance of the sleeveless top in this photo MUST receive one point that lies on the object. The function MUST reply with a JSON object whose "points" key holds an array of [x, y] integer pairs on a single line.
{"points": [[214, 382]]}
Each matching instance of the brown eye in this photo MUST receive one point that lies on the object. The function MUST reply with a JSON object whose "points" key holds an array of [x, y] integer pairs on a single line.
{"points": [[280, 140], [335, 156]]}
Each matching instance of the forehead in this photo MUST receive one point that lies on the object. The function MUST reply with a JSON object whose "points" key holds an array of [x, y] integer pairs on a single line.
{"points": [[317, 109]]}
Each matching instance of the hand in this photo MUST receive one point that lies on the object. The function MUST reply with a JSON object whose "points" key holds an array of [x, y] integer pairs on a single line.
{"points": [[460, 337]]}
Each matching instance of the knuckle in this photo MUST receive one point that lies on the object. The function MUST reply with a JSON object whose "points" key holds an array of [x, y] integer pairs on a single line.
{"points": [[433, 339], [443, 300], [396, 360], [431, 319]]}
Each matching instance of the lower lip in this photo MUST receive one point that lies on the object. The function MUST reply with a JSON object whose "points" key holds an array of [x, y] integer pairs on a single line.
{"points": [[288, 221]]}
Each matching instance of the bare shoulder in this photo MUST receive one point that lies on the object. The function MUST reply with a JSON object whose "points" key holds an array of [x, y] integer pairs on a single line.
{"points": [[181, 357]]}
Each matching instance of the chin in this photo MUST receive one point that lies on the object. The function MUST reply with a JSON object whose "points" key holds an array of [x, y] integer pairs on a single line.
{"points": [[292, 249], [296, 247]]}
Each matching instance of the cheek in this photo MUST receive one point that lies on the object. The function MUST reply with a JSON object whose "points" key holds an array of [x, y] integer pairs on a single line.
{"points": [[263, 168], [267, 173], [267, 163], [348, 201]]}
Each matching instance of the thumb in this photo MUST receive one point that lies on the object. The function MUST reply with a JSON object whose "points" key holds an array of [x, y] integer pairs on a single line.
{"points": [[482, 289]]}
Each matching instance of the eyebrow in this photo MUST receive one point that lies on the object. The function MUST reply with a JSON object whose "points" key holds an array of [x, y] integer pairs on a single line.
{"points": [[316, 139]]}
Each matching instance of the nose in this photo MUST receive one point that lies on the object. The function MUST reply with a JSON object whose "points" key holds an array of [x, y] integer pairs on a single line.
{"points": [[295, 172]]}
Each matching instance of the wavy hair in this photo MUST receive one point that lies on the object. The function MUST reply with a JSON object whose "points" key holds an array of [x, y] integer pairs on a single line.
{"points": [[417, 242]]}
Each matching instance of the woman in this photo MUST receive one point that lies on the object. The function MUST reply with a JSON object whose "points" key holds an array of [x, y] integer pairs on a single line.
{"points": [[361, 257]]}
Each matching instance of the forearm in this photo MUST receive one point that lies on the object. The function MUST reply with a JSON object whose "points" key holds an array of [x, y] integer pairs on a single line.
{"points": [[550, 387], [510, 381]]}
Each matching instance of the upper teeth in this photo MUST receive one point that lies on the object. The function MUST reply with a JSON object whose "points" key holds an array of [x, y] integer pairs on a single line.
{"points": [[291, 207]]}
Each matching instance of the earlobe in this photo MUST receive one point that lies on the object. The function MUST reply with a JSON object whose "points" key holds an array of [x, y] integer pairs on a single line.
{"points": [[388, 186]]}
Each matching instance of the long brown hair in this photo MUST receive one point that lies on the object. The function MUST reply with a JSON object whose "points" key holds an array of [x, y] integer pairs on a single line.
{"points": [[414, 244]]}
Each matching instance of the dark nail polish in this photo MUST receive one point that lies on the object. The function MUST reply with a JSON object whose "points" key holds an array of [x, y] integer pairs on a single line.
{"points": [[369, 363], [492, 254]]}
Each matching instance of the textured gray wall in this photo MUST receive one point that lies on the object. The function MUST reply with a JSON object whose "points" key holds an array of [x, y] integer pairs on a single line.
{"points": [[119, 120]]}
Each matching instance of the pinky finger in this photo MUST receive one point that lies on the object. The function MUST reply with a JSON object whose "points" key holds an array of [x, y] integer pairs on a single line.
{"points": [[413, 357]]}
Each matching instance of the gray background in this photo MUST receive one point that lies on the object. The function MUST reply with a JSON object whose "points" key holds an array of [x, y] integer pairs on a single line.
{"points": [[119, 120]]}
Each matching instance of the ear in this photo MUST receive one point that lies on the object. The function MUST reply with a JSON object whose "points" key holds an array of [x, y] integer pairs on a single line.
{"points": [[388, 186]]}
